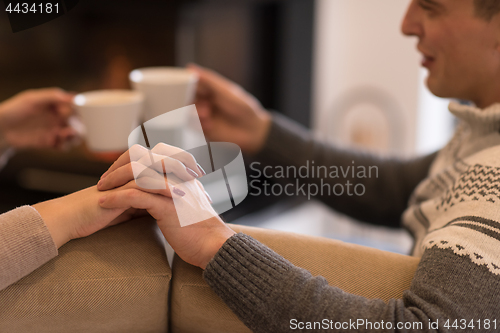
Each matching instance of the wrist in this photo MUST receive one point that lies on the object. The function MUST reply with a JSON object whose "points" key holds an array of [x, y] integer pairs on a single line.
{"points": [[4, 145], [51, 215], [214, 245], [260, 133], [3, 140]]}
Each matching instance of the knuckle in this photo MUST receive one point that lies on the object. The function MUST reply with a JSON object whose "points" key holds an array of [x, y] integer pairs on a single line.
{"points": [[131, 194], [135, 169], [160, 146], [109, 180], [178, 166], [191, 157], [137, 150], [135, 165]]}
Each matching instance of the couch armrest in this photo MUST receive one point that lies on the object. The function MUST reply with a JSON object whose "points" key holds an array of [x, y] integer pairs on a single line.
{"points": [[356, 269], [116, 280]]}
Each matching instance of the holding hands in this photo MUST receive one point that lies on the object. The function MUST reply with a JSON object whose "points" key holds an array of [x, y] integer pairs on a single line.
{"points": [[136, 184], [228, 114], [135, 188], [139, 184]]}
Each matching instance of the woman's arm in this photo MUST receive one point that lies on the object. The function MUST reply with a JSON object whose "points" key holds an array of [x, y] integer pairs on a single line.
{"points": [[31, 235], [25, 244]]}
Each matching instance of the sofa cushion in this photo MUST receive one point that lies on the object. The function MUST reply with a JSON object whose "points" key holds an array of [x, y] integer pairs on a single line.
{"points": [[356, 269], [116, 280]]}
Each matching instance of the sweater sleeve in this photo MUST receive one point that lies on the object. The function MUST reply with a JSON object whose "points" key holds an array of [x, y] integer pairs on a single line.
{"points": [[25, 244], [388, 182], [269, 294]]}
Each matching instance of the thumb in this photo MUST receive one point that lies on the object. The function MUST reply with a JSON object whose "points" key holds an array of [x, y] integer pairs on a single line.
{"points": [[158, 206], [125, 199]]}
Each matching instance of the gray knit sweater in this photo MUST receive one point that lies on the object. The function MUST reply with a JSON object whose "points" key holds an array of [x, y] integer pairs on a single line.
{"points": [[451, 207], [449, 202]]}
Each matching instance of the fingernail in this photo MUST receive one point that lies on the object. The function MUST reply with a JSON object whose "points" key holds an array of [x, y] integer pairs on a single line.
{"points": [[99, 184], [203, 173], [104, 174], [191, 172], [179, 192], [209, 197]]}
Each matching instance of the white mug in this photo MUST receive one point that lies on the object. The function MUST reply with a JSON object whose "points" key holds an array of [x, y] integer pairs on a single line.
{"points": [[165, 89], [109, 116]]}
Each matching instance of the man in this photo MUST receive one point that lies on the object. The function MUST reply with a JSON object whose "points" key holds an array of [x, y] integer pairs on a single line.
{"points": [[453, 212]]}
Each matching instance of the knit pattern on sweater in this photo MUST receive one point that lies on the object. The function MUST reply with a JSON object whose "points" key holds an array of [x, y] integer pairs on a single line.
{"points": [[464, 178]]}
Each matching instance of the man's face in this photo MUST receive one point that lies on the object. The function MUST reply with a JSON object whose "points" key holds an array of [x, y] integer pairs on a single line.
{"points": [[460, 50]]}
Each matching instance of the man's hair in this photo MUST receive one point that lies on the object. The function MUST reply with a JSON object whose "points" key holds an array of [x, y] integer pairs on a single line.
{"points": [[487, 9]]}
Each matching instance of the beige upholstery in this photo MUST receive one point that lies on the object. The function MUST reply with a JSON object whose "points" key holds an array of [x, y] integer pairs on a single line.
{"points": [[116, 280], [356, 269]]}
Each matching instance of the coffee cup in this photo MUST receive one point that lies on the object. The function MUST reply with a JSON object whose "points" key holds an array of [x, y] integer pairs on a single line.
{"points": [[165, 89], [109, 116]]}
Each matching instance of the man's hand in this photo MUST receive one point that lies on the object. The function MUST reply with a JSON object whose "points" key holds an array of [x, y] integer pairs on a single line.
{"points": [[37, 119], [230, 114], [196, 244]]}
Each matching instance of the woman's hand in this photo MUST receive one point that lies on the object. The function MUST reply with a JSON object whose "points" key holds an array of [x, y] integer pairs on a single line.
{"points": [[148, 167], [228, 113], [195, 243], [37, 119], [79, 215]]}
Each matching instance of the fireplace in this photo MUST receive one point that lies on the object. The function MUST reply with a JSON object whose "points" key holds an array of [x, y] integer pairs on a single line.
{"points": [[263, 45]]}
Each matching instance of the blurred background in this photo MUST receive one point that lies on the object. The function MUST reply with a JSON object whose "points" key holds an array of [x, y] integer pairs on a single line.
{"points": [[339, 67]]}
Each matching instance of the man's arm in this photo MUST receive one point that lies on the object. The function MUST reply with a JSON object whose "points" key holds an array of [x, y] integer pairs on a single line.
{"points": [[266, 292], [230, 114], [386, 183], [456, 279]]}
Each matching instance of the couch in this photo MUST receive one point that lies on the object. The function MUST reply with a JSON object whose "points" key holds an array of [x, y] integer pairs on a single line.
{"points": [[119, 280]]}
